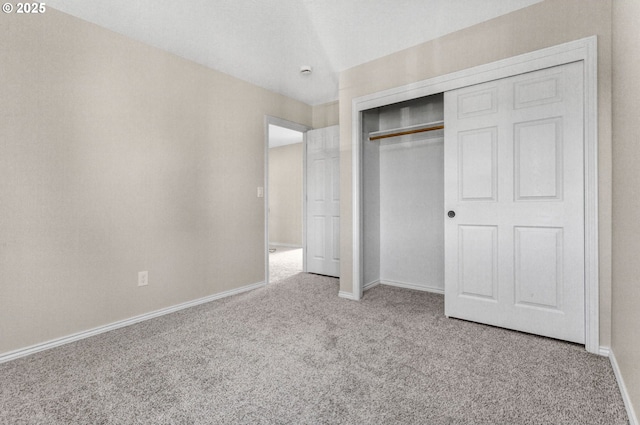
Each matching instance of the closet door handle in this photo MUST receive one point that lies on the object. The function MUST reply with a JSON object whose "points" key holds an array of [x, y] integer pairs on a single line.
{"points": [[451, 214]]}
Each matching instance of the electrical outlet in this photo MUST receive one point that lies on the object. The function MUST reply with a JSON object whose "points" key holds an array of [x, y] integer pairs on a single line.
{"points": [[260, 192], [143, 278]]}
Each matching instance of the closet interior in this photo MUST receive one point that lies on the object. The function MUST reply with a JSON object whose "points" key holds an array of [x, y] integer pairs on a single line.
{"points": [[403, 194]]}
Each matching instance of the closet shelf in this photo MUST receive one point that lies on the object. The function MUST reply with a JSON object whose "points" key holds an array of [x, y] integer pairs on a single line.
{"points": [[403, 131]]}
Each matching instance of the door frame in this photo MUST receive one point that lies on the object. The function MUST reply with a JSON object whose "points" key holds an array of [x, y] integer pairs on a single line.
{"points": [[280, 122], [584, 50]]}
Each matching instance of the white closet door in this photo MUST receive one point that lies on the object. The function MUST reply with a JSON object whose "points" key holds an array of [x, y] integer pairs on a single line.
{"points": [[323, 201], [514, 252]]}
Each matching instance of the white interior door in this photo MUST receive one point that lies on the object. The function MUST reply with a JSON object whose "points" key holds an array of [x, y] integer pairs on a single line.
{"points": [[323, 201], [514, 251]]}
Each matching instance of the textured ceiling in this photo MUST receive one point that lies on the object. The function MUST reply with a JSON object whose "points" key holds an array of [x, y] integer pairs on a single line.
{"points": [[266, 41]]}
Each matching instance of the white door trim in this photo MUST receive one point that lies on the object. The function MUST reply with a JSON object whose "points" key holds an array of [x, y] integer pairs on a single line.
{"points": [[303, 129], [580, 50]]}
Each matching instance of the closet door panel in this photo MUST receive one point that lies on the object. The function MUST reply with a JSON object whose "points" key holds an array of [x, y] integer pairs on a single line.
{"points": [[514, 203], [478, 164], [538, 160], [539, 267], [478, 261]]}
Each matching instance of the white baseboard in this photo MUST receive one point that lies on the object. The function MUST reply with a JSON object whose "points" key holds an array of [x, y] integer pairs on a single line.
{"points": [[633, 418], [286, 245], [347, 295], [414, 286], [23, 352], [604, 351], [370, 285]]}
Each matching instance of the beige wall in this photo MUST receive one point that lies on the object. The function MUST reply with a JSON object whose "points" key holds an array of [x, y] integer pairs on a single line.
{"points": [[625, 342], [116, 157], [542, 25], [285, 194], [326, 115]]}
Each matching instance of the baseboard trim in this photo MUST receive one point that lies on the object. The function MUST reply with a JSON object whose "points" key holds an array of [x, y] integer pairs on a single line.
{"points": [[414, 286], [347, 295], [23, 352], [286, 245], [370, 285], [633, 418], [604, 351]]}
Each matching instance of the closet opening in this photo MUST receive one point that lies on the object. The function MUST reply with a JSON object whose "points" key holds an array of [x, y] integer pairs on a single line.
{"points": [[403, 194], [543, 103]]}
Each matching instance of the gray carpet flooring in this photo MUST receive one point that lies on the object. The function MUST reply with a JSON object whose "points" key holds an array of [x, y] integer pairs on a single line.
{"points": [[295, 353]]}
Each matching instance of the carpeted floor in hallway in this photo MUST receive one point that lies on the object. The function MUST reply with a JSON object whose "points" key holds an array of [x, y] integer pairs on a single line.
{"points": [[284, 262]]}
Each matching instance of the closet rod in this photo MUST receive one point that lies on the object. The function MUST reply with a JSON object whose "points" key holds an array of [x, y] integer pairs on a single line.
{"points": [[404, 133]]}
